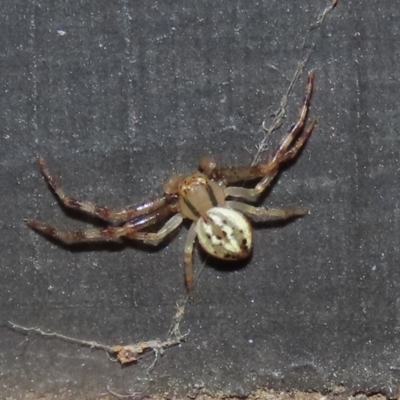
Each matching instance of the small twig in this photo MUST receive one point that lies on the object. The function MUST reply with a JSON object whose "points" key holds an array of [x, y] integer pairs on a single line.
{"points": [[124, 354], [91, 344]]}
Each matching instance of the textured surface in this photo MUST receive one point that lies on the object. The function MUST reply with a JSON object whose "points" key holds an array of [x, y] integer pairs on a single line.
{"points": [[118, 95]]}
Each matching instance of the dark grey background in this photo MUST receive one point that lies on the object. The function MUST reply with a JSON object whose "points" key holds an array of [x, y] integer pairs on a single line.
{"points": [[119, 95]]}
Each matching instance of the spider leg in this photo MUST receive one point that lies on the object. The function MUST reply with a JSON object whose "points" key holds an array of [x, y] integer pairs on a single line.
{"points": [[129, 229], [155, 238], [188, 258], [94, 234], [287, 149], [271, 169], [288, 139], [124, 214], [262, 214], [299, 143], [78, 235]]}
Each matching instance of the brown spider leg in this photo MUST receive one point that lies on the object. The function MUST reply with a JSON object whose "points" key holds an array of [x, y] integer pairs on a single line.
{"points": [[290, 154], [273, 167], [155, 238], [262, 214], [95, 234], [125, 214], [188, 258], [287, 149], [297, 128]]}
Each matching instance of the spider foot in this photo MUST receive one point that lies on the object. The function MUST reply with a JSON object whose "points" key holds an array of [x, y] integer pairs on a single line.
{"points": [[48, 230], [75, 236]]}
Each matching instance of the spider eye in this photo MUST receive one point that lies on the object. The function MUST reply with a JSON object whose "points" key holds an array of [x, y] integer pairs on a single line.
{"points": [[225, 234]]}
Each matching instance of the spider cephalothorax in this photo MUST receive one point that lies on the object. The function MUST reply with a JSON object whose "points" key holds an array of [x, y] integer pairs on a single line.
{"points": [[219, 223]]}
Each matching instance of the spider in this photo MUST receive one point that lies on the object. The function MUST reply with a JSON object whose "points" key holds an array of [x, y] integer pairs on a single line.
{"points": [[204, 197]]}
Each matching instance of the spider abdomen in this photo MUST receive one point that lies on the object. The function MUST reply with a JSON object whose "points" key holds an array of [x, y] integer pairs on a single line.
{"points": [[225, 234]]}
